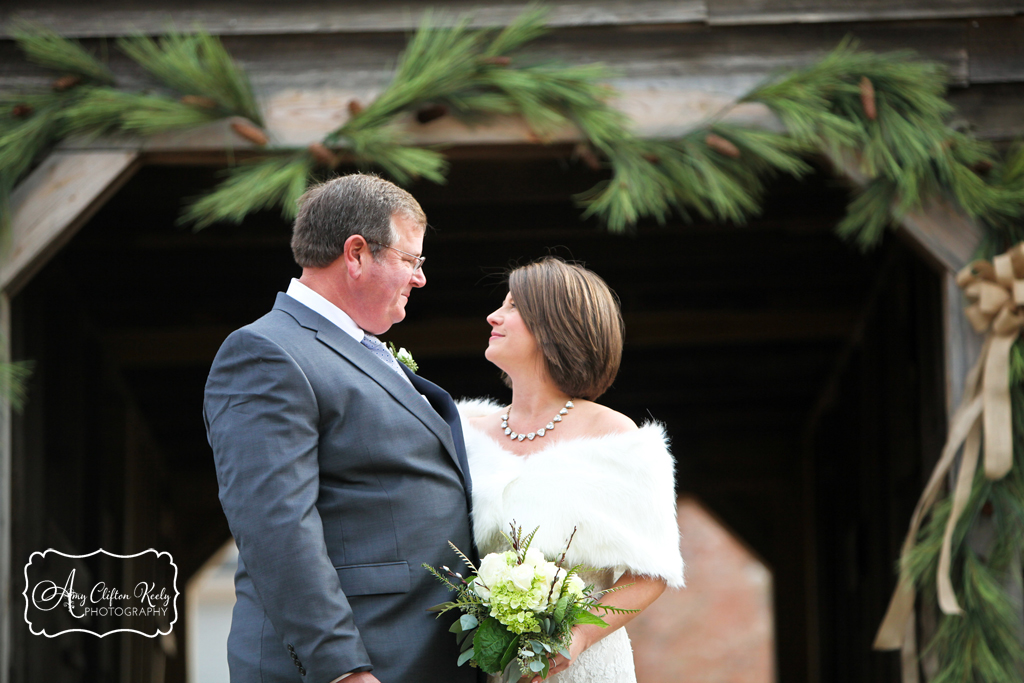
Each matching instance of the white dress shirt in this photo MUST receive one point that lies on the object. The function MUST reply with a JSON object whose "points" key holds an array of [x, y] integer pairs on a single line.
{"points": [[310, 299]]}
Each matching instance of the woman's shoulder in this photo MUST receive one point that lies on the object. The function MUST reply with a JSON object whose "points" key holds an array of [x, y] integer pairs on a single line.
{"points": [[603, 421], [611, 436]]}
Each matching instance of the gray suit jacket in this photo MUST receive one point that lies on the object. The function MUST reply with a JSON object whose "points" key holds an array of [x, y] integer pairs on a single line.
{"points": [[338, 480]]}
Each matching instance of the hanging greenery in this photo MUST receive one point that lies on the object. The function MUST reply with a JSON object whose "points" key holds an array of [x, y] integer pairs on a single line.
{"points": [[83, 101], [884, 113]]}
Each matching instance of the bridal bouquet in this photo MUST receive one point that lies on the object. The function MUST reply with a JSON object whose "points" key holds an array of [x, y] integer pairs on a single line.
{"points": [[519, 608]]}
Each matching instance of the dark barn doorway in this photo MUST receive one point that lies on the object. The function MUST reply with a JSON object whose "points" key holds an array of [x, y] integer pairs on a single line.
{"points": [[800, 380]]}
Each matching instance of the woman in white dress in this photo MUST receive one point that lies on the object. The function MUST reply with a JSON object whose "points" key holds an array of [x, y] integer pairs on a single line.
{"points": [[557, 460]]}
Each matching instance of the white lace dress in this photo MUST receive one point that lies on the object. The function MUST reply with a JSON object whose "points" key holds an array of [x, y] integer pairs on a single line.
{"points": [[617, 491]]}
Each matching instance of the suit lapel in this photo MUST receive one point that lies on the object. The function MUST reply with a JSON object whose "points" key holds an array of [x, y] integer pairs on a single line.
{"points": [[445, 407], [330, 335]]}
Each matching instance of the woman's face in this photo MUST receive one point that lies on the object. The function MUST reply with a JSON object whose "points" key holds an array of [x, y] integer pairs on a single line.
{"points": [[511, 345]]}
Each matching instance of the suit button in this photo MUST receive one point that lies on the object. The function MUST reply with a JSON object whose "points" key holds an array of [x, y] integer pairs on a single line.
{"points": [[302, 672], [290, 648], [295, 657]]}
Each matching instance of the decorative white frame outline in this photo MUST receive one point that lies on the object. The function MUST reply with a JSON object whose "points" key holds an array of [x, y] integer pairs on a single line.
{"points": [[174, 584]]}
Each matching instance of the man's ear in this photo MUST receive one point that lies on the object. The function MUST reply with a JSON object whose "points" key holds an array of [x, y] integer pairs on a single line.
{"points": [[357, 255]]}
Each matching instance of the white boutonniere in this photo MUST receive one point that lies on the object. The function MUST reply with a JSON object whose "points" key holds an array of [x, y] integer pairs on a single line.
{"points": [[403, 357]]}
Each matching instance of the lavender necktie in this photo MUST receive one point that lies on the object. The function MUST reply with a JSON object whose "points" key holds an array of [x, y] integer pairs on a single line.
{"points": [[377, 347]]}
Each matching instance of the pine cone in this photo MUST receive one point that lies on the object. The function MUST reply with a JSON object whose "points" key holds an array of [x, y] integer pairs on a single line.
{"points": [[199, 101], [66, 82], [355, 107], [497, 61], [722, 146], [20, 111], [867, 98], [248, 131], [431, 112], [324, 156]]}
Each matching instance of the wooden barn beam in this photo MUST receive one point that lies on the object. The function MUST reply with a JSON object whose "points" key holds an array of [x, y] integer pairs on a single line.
{"points": [[266, 17], [54, 201], [732, 12]]}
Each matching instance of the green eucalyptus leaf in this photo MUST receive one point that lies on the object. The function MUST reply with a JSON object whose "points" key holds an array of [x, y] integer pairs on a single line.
{"points": [[456, 627], [465, 656], [536, 665], [537, 647], [468, 622]]}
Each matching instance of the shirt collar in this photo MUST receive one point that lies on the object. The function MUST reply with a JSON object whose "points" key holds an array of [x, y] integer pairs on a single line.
{"points": [[318, 304]]}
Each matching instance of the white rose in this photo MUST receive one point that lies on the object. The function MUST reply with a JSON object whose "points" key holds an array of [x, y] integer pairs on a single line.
{"points": [[493, 569], [550, 572], [576, 585], [522, 576], [534, 558]]}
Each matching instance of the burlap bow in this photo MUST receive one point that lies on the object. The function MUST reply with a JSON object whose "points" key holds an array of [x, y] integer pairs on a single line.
{"points": [[995, 292]]}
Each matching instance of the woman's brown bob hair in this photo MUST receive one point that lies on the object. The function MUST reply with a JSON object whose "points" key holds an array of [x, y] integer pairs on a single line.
{"points": [[575, 318]]}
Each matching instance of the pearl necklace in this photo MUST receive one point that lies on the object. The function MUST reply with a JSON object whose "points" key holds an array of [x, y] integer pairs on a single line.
{"points": [[540, 432]]}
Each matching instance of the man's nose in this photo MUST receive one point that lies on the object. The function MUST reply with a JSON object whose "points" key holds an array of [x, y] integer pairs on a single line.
{"points": [[419, 278]]}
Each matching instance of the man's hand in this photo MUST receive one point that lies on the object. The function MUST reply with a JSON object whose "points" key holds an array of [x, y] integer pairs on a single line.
{"points": [[361, 677]]}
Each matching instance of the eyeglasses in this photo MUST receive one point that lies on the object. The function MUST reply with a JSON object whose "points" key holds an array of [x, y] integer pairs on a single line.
{"points": [[417, 260]]}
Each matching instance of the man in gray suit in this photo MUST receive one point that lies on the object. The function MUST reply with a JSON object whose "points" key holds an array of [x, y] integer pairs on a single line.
{"points": [[340, 471]]}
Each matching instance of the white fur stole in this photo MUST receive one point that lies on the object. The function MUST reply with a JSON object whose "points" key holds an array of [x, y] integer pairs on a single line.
{"points": [[617, 490]]}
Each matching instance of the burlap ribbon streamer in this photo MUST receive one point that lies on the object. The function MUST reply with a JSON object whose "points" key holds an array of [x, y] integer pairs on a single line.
{"points": [[995, 292]]}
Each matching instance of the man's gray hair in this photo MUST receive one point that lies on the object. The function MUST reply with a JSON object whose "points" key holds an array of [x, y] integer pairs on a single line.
{"points": [[357, 204]]}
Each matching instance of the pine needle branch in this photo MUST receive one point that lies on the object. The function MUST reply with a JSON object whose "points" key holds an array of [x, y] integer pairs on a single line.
{"points": [[525, 28], [14, 378], [262, 184], [196, 65], [22, 141], [102, 110], [47, 48]]}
